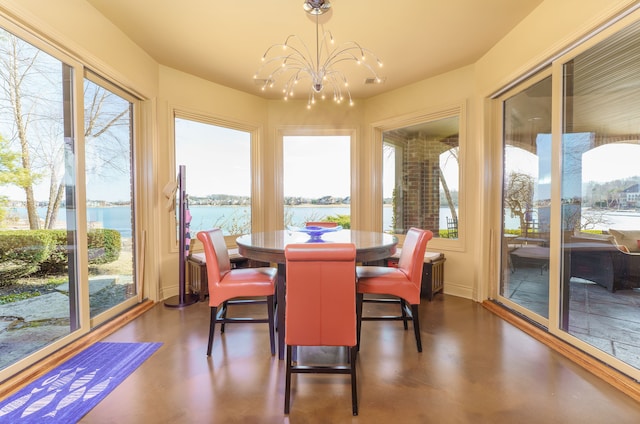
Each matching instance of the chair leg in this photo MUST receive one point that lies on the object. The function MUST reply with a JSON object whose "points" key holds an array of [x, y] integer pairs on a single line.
{"points": [[270, 312], [403, 311], [287, 385], [354, 387], [212, 327], [359, 300], [416, 325], [223, 315]]}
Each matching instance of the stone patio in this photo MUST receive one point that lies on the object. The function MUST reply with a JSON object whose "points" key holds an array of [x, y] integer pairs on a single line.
{"points": [[605, 320], [28, 325]]}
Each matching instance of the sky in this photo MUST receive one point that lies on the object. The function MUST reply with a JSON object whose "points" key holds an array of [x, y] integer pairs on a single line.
{"points": [[204, 148], [317, 166], [605, 163]]}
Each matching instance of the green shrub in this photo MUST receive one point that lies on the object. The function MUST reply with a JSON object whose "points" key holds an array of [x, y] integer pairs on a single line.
{"points": [[343, 220], [104, 247], [25, 252], [22, 252]]}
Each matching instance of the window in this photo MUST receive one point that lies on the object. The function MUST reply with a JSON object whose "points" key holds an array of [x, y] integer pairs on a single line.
{"points": [[217, 161], [421, 178], [317, 179]]}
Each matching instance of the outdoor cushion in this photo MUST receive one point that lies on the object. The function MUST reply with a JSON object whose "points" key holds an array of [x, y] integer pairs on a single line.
{"points": [[627, 238]]}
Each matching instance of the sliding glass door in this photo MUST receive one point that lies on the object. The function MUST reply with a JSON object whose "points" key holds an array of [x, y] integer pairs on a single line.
{"points": [[570, 250], [526, 198], [600, 201], [38, 251], [111, 236], [67, 227]]}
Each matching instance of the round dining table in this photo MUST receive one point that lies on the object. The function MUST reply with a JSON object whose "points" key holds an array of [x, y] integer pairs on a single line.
{"points": [[269, 247]]}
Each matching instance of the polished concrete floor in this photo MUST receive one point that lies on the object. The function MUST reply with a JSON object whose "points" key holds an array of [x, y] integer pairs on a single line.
{"points": [[475, 368]]}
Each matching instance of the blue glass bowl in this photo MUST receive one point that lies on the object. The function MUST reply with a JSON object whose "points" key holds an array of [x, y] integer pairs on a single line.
{"points": [[315, 232]]}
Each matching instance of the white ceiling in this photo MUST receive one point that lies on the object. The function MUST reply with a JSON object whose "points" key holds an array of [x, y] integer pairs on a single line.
{"points": [[223, 41]]}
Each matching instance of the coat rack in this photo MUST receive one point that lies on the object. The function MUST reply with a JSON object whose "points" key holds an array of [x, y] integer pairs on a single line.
{"points": [[183, 298]]}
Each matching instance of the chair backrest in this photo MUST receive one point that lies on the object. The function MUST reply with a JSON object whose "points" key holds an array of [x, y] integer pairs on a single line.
{"points": [[412, 255], [321, 294], [324, 224], [216, 255]]}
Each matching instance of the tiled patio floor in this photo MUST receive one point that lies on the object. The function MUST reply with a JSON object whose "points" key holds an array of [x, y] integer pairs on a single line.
{"points": [[608, 321]]}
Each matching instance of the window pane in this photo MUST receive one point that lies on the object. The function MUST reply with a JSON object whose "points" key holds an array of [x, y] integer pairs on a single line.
{"points": [[37, 178], [421, 178], [109, 188], [600, 190], [218, 175], [317, 179], [527, 198]]}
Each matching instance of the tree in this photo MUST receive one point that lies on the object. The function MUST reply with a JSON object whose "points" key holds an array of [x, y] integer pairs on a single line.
{"points": [[31, 111], [452, 153], [15, 68], [518, 195], [10, 171]]}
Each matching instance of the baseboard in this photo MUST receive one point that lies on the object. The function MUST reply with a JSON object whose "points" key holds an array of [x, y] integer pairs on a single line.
{"points": [[457, 290], [40, 368], [620, 381]]}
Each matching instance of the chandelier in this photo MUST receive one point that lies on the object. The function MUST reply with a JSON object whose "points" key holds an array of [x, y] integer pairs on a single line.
{"points": [[290, 63]]}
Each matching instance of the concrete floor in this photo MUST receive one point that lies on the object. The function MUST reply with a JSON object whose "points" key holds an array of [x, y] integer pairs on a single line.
{"points": [[475, 368]]}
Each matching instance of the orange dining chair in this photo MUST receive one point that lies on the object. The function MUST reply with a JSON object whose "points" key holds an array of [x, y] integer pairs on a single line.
{"points": [[324, 224], [234, 286], [321, 307], [403, 282]]}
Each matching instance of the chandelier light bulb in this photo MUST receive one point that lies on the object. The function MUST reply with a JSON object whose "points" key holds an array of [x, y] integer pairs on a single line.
{"points": [[298, 62]]}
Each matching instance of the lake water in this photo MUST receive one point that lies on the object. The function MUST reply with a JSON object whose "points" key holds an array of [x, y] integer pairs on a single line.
{"points": [[204, 217]]}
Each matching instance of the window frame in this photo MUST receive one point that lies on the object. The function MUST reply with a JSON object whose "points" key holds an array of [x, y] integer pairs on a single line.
{"points": [[453, 110], [254, 130], [295, 131]]}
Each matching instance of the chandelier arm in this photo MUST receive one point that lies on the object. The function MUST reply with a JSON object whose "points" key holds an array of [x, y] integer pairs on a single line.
{"points": [[348, 52], [299, 74], [361, 63], [301, 64], [295, 55], [307, 57], [282, 45], [288, 62]]}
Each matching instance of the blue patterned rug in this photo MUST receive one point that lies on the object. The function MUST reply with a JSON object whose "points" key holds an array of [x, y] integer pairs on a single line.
{"points": [[69, 391]]}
